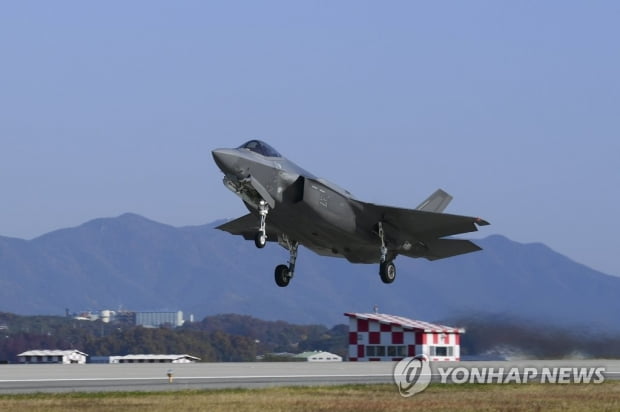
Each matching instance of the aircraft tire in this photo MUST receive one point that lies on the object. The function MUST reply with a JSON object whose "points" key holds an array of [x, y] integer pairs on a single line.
{"points": [[260, 240], [282, 275], [387, 270]]}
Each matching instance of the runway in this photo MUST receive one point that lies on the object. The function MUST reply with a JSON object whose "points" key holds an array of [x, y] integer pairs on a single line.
{"points": [[154, 377]]}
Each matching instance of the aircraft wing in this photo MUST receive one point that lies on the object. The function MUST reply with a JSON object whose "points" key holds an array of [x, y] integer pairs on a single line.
{"points": [[247, 226], [417, 224]]}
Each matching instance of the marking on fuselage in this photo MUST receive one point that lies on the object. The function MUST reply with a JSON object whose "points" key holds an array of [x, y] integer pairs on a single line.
{"points": [[323, 199]]}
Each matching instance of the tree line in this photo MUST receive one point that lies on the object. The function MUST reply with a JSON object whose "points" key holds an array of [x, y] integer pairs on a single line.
{"points": [[221, 338], [234, 338]]}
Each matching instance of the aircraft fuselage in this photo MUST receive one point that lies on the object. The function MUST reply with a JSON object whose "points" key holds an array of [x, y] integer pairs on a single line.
{"points": [[325, 213]]}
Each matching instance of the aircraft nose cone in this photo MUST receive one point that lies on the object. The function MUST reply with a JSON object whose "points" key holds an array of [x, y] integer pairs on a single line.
{"points": [[226, 160]]}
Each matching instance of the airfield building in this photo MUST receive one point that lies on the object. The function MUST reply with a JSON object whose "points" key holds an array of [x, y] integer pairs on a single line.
{"points": [[383, 337], [52, 356], [148, 358], [157, 319], [319, 356]]}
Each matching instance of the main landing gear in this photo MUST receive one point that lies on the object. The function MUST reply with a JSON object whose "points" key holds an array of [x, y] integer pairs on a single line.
{"points": [[387, 269], [283, 273]]}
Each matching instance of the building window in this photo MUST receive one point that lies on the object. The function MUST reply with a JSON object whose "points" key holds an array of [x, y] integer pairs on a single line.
{"points": [[375, 351], [397, 351], [401, 351], [392, 351], [442, 351]]}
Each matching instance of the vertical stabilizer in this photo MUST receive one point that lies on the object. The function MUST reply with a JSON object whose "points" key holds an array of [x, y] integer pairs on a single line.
{"points": [[436, 202]]}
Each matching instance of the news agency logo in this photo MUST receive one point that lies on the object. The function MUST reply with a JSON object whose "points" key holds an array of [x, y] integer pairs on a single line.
{"points": [[518, 375], [412, 375]]}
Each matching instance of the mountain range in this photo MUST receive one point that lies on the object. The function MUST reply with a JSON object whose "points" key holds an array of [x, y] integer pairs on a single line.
{"points": [[134, 263]]}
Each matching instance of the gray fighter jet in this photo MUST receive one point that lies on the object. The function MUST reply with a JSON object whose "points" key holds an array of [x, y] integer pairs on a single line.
{"points": [[293, 207]]}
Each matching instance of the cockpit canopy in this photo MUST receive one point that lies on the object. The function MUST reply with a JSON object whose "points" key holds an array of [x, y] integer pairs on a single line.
{"points": [[261, 148]]}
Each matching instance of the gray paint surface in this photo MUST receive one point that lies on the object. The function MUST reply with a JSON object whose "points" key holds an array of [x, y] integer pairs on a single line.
{"points": [[153, 377]]}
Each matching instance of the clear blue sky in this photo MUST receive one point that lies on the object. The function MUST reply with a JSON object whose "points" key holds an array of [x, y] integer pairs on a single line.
{"points": [[512, 107]]}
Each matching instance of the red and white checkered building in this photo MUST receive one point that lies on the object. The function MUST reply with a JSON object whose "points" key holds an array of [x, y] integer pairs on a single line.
{"points": [[382, 337]]}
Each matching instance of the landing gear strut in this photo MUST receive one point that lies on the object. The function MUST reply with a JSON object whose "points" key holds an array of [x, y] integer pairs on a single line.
{"points": [[261, 237], [383, 248], [387, 269], [283, 273]]}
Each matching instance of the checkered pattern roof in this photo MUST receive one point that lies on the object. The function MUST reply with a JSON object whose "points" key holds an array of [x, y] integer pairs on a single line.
{"points": [[405, 322]]}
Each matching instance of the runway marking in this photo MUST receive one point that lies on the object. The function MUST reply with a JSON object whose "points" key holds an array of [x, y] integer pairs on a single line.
{"points": [[162, 378], [165, 378]]}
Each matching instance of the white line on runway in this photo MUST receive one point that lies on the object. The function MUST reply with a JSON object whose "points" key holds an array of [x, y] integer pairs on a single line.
{"points": [[236, 377], [196, 377]]}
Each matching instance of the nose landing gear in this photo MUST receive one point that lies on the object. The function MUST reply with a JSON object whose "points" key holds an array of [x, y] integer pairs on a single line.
{"points": [[261, 237]]}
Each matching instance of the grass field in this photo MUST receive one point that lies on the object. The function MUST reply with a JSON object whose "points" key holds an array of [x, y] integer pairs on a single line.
{"points": [[469, 397]]}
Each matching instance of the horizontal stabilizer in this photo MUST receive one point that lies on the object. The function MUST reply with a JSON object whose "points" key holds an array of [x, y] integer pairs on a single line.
{"points": [[443, 248], [437, 202]]}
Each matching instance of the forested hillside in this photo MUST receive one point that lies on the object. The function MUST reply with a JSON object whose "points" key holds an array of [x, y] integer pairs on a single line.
{"points": [[233, 338], [221, 338]]}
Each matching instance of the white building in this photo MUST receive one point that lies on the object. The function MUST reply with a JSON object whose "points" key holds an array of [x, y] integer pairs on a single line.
{"points": [[154, 359], [157, 319], [382, 337], [52, 356], [319, 356]]}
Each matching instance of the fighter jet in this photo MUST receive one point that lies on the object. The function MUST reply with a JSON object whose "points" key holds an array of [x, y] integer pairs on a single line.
{"points": [[293, 207]]}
